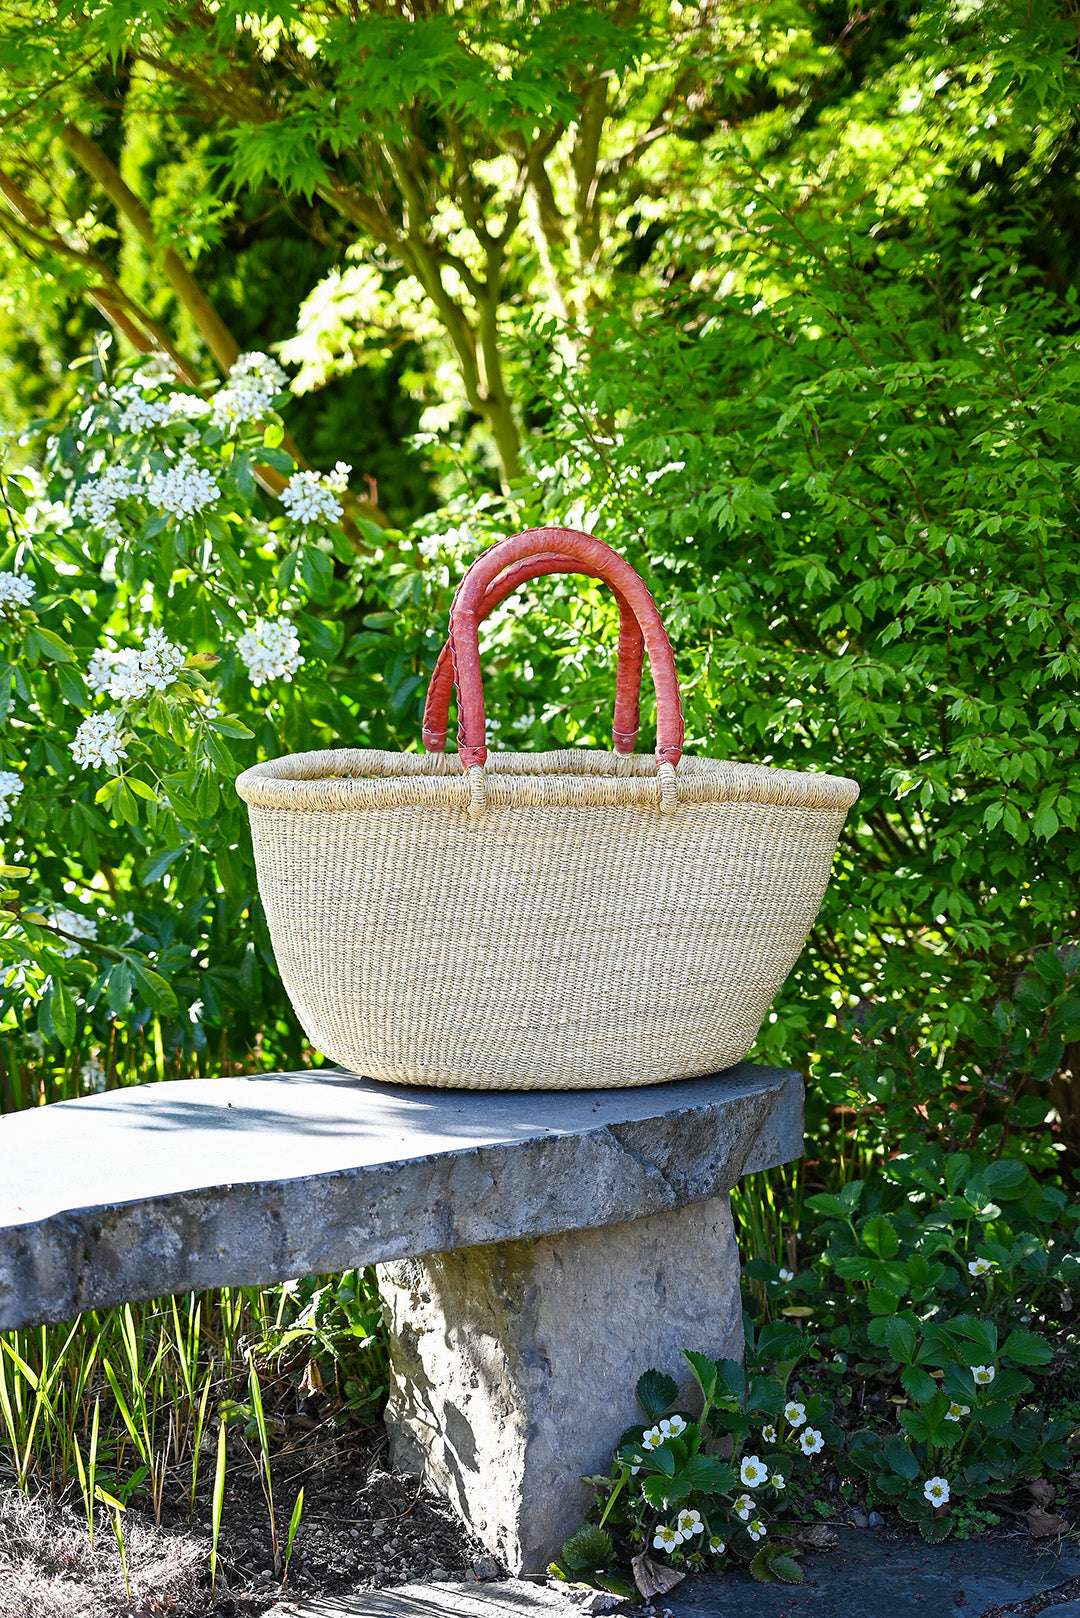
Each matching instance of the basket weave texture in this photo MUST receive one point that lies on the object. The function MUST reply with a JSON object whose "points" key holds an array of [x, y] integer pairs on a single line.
{"points": [[583, 930]]}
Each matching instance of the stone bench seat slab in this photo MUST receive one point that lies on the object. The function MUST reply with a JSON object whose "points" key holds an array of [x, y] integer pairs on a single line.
{"points": [[185, 1185]]}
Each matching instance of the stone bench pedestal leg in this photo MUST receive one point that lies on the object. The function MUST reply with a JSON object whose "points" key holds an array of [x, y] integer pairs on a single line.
{"points": [[514, 1364]]}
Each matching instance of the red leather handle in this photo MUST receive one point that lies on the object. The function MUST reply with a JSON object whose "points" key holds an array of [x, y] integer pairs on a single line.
{"points": [[467, 610], [627, 678]]}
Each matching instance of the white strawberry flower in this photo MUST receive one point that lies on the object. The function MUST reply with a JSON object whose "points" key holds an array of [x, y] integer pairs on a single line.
{"points": [[955, 1411], [811, 1441], [666, 1538], [936, 1491], [980, 1266], [672, 1426], [983, 1374], [787, 1275], [652, 1439], [716, 1545], [689, 1523], [753, 1472], [778, 1480], [795, 1413], [756, 1529], [768, 1433], [744, 1505]]}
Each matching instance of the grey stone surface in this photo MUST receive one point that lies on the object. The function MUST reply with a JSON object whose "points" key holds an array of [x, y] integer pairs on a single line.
{"points": [[163, 1188], [868, 1576], [435, 1601], [515, 1364], [872, 1576]]}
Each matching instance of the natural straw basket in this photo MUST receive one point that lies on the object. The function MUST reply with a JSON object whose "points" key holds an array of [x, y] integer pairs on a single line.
{"points": [[539, 920]]}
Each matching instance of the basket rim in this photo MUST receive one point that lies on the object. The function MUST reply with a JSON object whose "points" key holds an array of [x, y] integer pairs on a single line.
{"points": [[363, 778]]}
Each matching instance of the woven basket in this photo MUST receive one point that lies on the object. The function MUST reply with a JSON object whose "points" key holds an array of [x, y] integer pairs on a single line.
{"points": [[539, 920]]}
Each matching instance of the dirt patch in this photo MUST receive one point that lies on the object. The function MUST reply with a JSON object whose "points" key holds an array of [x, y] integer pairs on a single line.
{"points": [[362, 1528]]}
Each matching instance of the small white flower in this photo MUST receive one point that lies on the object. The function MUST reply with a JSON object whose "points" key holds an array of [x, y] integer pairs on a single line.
{"points": [[142, 413], [98, 498], [689, 1523], [253, 382], [752, 1472], [716, 1545], [338, 479], [980, 1266], [428, 547], [778, 1480], [270, 651], [666, 1538], [69, 921], [811, 1441], [744, 1505], [16, 590], [955, 1411], [134, 674], [787, 1275], [983, 1374], [93, 1075], [310, 498], [10, 787], [184, 489], [795, 1412], [768, 1433], [672, 1426], [99, 740], [756, 1529], [652, 1439], [936, 1491]]}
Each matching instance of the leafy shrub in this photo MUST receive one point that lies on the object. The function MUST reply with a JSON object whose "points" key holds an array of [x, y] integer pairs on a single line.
{"points": [[706, 1490]]}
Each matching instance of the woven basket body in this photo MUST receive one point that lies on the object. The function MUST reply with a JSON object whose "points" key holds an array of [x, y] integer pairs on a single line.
{"points": [[580, 932]]}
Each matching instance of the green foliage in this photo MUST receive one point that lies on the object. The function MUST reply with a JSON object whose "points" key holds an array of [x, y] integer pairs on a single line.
{"points": [[712, 1490], [934, 1293]]}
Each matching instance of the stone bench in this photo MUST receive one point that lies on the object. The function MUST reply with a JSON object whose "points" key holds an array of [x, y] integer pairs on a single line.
{"points": [[536, 1252]]}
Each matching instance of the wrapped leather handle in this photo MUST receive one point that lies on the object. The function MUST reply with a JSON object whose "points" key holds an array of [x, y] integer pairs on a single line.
{"points": [[604, 563], [627, 679]]}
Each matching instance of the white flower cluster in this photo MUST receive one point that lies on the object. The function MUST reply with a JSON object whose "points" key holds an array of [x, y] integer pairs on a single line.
{"points": [[670, 1427], [271, 651], [98, 498], [69, 921], [93, 1076], [184, 489], [16, 590], [253, 382], [669, 1536], [99, 740], [453, 539], [142, 413], [131, 674], [10, 787], [312, 496]]}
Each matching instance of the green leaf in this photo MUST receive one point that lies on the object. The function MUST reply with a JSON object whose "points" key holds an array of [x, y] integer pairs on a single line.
{"points": [[880, 1301], [879, 1235], [153, 988], [220, 754], [786, 1568], [62, 1012], [900, 1339], [655, 1392], [153, 869], [51, 647], [588, 1549], [1027, 1348], [705, 1373]]}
